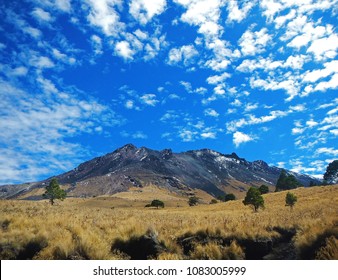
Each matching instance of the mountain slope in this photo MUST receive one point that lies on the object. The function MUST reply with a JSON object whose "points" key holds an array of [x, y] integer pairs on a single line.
{"points": [[129, 166]]}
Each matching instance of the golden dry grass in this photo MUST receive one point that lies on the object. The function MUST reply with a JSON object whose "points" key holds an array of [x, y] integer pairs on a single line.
{"points": [[86, 228]]}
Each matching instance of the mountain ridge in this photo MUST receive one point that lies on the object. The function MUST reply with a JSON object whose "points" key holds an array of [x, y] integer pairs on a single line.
{"points": [[129, 166]]}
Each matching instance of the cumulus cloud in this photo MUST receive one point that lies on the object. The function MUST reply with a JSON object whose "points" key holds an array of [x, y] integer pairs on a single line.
{"points": [[123, 49], [325, 47], [103, 14], [211, 113], [234, 11], [143, 11], [149, 99], [187, 135], [184, 54], [208, 135], [97, 44], [42, 15], [240, 138], [252, 43], [41, 62], [314, 75], [203, 13]]}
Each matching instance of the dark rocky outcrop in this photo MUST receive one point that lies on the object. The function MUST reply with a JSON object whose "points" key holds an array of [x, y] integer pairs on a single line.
{"points": [[140, 247]]}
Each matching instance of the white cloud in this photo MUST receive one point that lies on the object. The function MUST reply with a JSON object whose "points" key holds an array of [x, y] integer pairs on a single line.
{"points": [[144, 10], [311, 123], [142, 35], [183, 54], [20, 71], [327, 151], [331, 84], [325, 47], [187, 86], [253, 120], [287, 83], [219, 89], [266, 64], [270, 7], [124, 50], [103, 15], [129, 104], [203, 13], [298, 130], [187, 135], [211, 113], [169, 116], [236, 14], [252, 43], [63, 5], [134, 135], [209, 135], [42, 15], [201, 90], [41, 62], [97, 44], [60, 5], [334, 132], [330, 68], [222, 54], [281, 20], [139, 135], [34, 32], [250, 107], [240, 138], [213, 80], [295, 61], [38, 128], [149, 99]]}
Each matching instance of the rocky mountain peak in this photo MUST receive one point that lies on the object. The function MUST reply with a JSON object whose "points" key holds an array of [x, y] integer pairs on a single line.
{"points": [[130, 166]]}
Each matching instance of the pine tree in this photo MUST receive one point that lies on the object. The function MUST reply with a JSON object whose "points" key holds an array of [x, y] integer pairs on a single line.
{"points": [[53, 191], [286, 182], [290, 199]]}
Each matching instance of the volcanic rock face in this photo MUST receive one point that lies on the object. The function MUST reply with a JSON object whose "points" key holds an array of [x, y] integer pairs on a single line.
{"points": [[130, 166]]}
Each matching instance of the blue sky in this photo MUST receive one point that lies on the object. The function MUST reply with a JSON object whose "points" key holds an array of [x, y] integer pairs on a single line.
{"points": [[79, 79]]}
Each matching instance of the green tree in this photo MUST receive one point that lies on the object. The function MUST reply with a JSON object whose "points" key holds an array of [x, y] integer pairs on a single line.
{"points": [[193, 200], [254, 199], [286, 182], [213, 201], [53, 191], [290, 199], [157, 203], [263, 189], [227, 197], [331, 174]]}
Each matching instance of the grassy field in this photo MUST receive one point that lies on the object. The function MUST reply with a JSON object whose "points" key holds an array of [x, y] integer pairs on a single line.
{"points": [[120, 227]]}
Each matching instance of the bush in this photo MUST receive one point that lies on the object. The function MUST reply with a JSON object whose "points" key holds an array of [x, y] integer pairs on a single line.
{"points": [[227, 197], [263, 189], [156, 203], [290, 199], [193, 200], [213, 201]]}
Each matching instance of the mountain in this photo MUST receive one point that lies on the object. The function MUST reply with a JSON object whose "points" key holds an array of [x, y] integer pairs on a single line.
{"points": [[129, 166]]}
